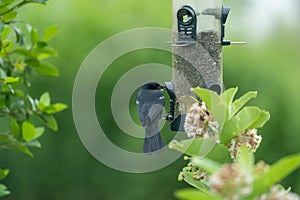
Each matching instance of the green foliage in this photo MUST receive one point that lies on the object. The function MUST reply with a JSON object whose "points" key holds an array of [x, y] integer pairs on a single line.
{"points": [[248, 118], [262, 182], [230, 114], [210, 161], [276, 173], [50, 32], [189, 178], [206, 164], [246, 160], [204, 148], [22, 55], [3, 173], [192, 194], [3, 190]]}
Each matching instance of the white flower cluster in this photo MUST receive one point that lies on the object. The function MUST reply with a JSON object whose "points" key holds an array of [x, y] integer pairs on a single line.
{"points": [[260, 168], [278, 193], [231, 182], [198, 120], [249, 138]]}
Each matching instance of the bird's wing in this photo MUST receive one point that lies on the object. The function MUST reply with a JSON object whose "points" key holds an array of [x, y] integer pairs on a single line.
{"points": [[144, 114], [150, 105], [155, 112]]}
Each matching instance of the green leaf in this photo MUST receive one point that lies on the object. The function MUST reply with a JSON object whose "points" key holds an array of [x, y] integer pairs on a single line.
{"points": [[3, 173], [261, 121], [47, 69], [41, 44], [38, 1], [245, 159], [9, 16], [214, 103], [34, 143], [28, 131], [276, 173], [19, 66], [247, 118], [45, 99], [33, 62], [8, 45], [31, 102], [39, 131], [206, 164], [3, 9], [229, 94], [204, 148], [1, 27], [20, 38], [48, 51], [50, 32], [23, 52], [34, 36], [5, 138], [9, 80], [19, 93], [188, 177], [206, 96], [6, 2], [50, 121], [16, 145], [43, 56], [192, 194], [22, 148], [15, 128], [239, 103], [2, 74], [3, 190], [55, 108], [5, 33]]}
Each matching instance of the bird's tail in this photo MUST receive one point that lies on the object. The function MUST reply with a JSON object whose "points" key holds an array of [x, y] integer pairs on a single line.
{"points": [[153, 144]]}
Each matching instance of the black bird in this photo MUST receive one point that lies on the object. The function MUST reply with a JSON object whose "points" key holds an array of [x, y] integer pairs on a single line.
{"points": [[150, 102]]}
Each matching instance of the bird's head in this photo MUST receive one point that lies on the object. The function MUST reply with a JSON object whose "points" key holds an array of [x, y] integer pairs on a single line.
{"points": [[152, 86]]}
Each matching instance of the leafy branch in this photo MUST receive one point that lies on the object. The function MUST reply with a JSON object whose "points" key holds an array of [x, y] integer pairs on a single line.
{"points": [[224, 138], [23, 54]]}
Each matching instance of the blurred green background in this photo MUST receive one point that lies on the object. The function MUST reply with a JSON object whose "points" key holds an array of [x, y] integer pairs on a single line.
{"points": [[63, 169]]}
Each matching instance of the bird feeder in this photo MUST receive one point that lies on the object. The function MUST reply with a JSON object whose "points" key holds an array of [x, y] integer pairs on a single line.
{"points": [[197, 47], [198, 38], [198, 32]]}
